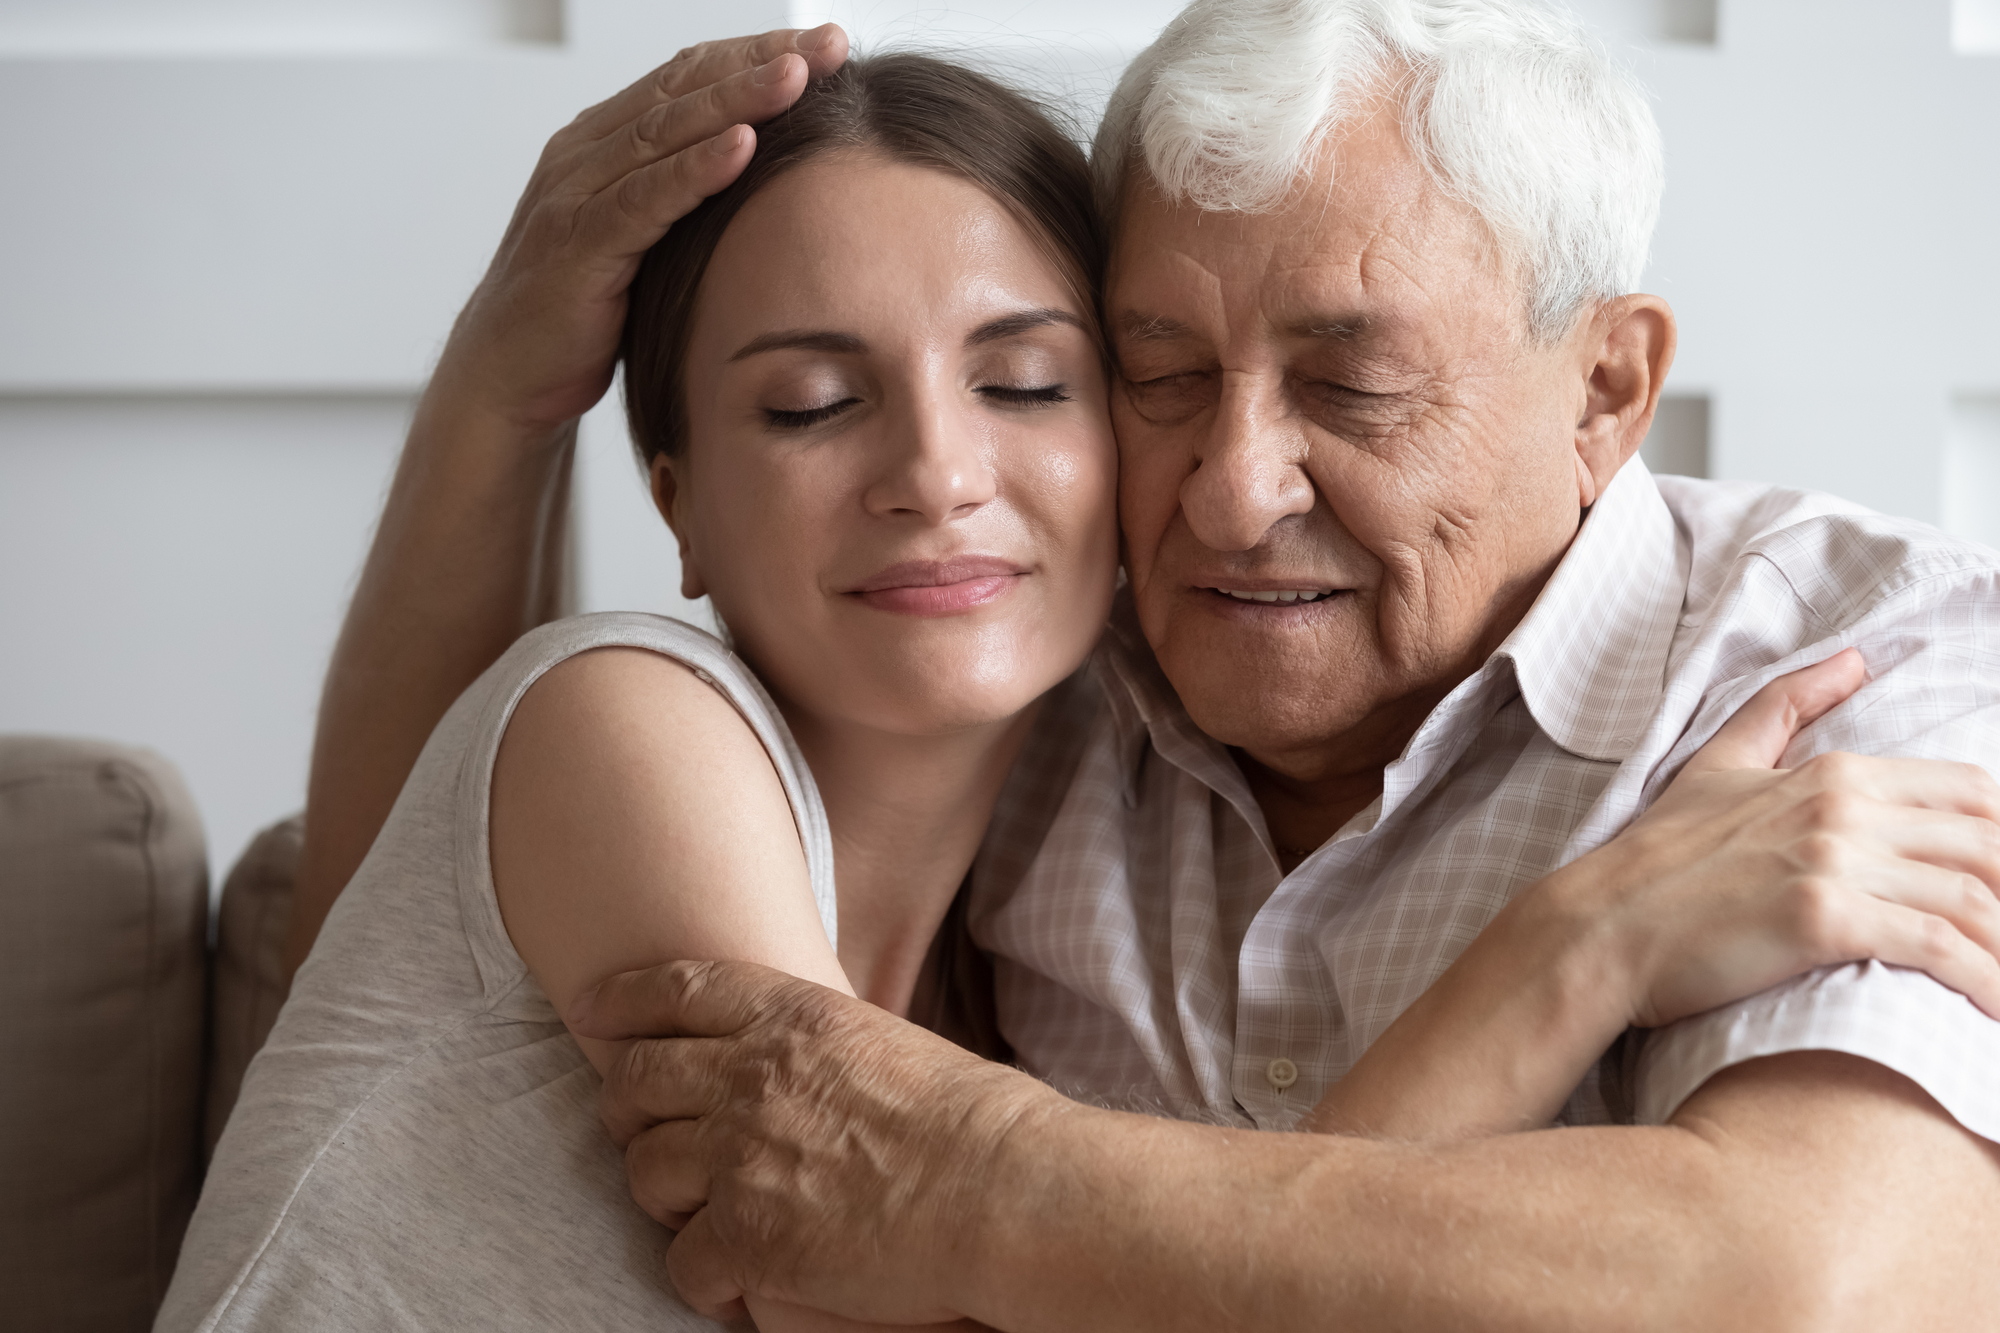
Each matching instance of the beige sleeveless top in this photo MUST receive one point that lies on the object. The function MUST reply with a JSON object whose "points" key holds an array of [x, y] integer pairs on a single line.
{"points": [[417, 1146]]}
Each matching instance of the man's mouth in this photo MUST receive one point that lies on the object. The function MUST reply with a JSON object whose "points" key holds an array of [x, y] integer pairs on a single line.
{"points": [[1274, 593], [1285, 595]]}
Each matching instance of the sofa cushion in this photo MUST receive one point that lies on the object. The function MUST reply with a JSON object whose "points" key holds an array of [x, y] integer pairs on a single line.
{"points": [[103, 938], [249, 980]]}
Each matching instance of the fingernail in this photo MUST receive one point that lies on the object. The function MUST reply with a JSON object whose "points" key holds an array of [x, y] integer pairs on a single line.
{"points": [[727, 142], [771, 73], [812, 39], [579, 1008]]}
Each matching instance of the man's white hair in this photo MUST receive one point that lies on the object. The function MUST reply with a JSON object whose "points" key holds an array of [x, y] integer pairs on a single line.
{"points": [[1511, 106]]}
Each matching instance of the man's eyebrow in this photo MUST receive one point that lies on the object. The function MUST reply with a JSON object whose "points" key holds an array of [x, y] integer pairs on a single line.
{"points": [[1018, 323], [1151, 328], [810, 340], [1340, 328]]}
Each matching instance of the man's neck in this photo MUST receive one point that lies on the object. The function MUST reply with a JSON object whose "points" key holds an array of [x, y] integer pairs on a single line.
{"points": [[1307, 800], [1308, 793]]}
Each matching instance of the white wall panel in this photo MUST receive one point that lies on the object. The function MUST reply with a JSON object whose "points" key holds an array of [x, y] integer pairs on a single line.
{"points": [[263, 27], [172, 571], [1975, 26], [1972, 469]]}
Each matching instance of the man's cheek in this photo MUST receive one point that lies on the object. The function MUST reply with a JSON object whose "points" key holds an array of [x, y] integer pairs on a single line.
{"points": [[1151, 468]]}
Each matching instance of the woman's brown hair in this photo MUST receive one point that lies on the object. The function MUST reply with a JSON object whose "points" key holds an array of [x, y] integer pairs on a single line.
{"points": [[907, 108]]}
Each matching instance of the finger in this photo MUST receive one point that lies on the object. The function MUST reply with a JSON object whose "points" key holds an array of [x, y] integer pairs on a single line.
{"points": [[651, 1082], [679, 999], [1963, 900], [1761, 730], [1872, 927], [823, 49], [1931, 784], [628, 218], [1963, 843], [747, 98], [699, 1267], [666, 1172]]}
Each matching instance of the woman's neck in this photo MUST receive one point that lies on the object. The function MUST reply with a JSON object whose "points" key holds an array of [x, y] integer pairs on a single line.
{"points": [[907, 815]]}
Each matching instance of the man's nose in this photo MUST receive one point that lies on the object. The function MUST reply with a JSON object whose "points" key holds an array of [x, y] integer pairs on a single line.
{"points": [[1248, 471], [932, 466]]}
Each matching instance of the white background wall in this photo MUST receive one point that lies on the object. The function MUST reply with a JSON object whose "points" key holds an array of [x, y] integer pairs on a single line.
{"points": [[234, 232]]}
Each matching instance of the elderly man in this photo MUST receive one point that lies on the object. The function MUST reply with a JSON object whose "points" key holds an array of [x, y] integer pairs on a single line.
{"points": [[1411, 630], [1408, 629]]}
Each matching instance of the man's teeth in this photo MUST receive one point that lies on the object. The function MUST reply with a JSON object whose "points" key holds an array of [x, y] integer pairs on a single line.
{"points": [[1289, 595]]}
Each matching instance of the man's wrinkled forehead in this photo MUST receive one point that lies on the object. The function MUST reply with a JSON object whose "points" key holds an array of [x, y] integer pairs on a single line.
{"points": [[1360, 256], [1136, 327]]}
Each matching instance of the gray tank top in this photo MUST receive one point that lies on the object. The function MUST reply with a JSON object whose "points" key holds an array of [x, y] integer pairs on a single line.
{"points": [[417, 1146]]}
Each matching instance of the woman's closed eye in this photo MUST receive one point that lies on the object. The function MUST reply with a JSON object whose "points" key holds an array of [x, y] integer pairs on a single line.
{"points": [[805, 417], [1029, 396]]}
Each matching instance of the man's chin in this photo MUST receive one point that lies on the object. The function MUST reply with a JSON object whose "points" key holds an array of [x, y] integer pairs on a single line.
{"points": [[1268, 693]]}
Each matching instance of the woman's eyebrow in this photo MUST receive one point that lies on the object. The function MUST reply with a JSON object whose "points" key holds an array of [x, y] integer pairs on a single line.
{"points": [[811, 340], [1020, 322]]}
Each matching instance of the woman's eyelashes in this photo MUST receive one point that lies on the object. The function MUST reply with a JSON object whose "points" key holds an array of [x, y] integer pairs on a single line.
{"points": [[1016, 396], [805, 417], [1005, 395]]}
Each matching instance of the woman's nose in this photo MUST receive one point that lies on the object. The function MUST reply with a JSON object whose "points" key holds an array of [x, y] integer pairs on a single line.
{"points": [[933, 466]]}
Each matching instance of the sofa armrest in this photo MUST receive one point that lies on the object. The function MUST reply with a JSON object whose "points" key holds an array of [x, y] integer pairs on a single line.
{"points": [[249, 977], [103, 965]]}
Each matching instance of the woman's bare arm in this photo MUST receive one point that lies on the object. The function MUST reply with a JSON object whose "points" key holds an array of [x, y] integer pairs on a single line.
{"points": [[636, 818], [470, 550]]}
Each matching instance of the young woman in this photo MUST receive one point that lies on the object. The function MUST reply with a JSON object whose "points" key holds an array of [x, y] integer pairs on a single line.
{"points": [[867, 380]]}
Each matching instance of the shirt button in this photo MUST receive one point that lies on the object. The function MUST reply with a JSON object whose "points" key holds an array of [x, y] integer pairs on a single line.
{"points": [[1281, 1073]]}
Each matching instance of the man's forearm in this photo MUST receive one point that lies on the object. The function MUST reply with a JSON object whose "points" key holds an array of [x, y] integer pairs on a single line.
{"points": [[1803, 1191], [471, 553]]}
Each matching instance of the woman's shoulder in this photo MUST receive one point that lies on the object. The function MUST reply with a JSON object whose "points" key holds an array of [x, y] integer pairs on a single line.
{"points": [[623, 723], [631, 715], [700, 651], [610, 673], [670, 662]]}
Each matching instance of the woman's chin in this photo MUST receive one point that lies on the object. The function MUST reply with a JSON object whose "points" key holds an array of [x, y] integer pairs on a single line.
{"points": [[942, 704], [929, 693]]}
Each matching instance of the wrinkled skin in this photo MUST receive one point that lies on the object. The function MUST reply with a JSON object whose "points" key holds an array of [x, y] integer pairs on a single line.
{"points": [[1342, 397]]}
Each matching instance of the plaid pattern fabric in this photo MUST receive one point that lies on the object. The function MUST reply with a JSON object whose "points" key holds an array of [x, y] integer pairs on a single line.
{"points": [[1150, 953]]}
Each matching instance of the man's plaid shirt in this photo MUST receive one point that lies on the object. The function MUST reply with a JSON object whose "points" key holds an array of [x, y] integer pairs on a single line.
{"points": [[1150, 952]]}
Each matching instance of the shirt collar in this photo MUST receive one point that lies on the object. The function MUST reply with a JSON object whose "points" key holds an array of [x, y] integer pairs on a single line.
{"points": [[1590, 656], [1146, 707]]}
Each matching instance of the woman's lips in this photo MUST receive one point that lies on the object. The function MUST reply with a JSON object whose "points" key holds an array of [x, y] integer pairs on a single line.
{"points": [[940, 587]]}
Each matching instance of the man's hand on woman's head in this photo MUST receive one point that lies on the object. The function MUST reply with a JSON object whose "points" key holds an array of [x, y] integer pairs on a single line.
{"points": [[535, 346]]}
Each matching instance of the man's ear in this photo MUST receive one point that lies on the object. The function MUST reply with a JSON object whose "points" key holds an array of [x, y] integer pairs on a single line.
{"points": [[668, 497], [1627, 348]]}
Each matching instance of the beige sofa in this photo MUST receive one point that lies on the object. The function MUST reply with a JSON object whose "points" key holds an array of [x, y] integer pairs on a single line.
{"points": [[127, 1017]]}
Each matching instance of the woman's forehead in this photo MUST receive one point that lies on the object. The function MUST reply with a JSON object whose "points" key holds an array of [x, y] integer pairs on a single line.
{"points": [[857, 235]]}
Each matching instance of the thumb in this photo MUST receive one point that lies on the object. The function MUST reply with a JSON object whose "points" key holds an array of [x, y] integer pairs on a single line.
{"points": [[1762, 729], [680, 999]]}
